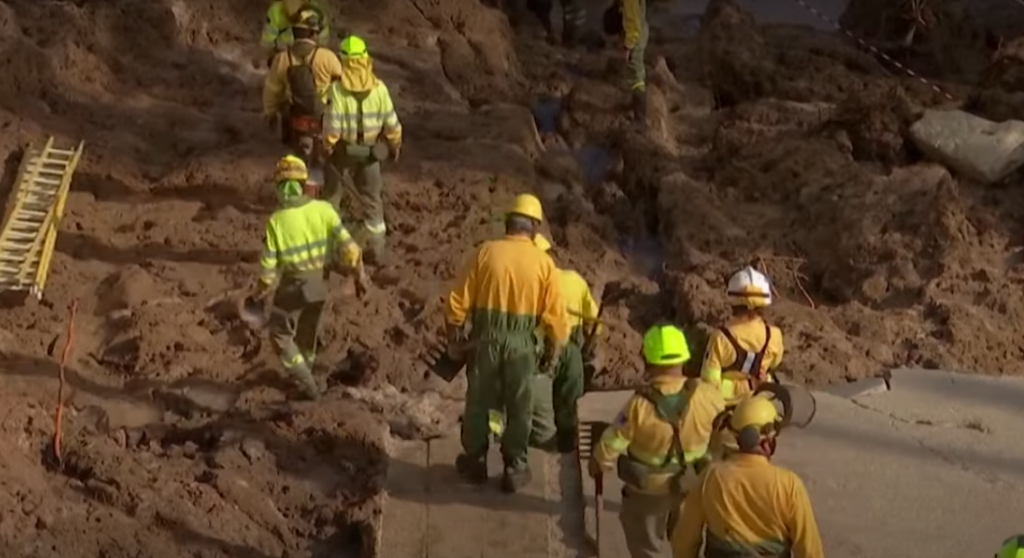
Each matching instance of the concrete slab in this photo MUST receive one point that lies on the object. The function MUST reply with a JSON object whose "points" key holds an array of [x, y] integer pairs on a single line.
{"points": [[850, 390], [429, 511], [883, 486]]}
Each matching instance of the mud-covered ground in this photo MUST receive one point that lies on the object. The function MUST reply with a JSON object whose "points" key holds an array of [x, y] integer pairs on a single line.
{"points": [[778, 147]]}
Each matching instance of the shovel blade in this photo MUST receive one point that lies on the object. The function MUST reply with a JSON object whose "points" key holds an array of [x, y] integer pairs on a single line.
{"points": [[797, 403]]}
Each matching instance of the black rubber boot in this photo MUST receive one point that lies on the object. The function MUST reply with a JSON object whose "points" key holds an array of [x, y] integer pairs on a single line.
{"points": [[515, 479], [472, 469]]}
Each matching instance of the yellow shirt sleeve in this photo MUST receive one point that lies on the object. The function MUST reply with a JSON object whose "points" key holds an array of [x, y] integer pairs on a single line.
{"points": [[711, 369], [460, 300], [778, 346], [802, 526], [688, 535], [275, 86], [616, 438], [553, 313], [590, 309]]}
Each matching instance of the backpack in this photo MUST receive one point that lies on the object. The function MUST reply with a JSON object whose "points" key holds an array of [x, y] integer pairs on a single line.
{"points": [[671, 409], [305, 97]]}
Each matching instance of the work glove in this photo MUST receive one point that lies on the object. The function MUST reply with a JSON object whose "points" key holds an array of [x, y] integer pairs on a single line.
{"points": [[361, 282], [396, 152], [594, 468], [549, 362], [456, 343]]}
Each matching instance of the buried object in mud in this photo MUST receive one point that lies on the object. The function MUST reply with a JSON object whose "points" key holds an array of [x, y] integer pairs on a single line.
{"points": [[980, 149]]}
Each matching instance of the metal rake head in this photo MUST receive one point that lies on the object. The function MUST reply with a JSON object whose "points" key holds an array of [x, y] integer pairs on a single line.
{"points": [[590, 435]]}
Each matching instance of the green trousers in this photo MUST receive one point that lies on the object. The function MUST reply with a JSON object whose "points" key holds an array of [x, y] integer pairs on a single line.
{"points": [[646, 520], [293, 325], [363, 197], [554, 398], [636, 72], [500, 375]]}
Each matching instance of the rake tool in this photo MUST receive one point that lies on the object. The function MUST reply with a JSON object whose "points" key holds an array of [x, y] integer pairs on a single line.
{"points": [[590, 436]]}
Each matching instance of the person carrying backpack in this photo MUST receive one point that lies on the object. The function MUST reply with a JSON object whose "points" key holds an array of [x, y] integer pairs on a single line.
{"points": [[662, 433], [743, 354], [297, 86]]}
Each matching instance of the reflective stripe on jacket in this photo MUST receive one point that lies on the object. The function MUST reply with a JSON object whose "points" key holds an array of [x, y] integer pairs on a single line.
{"points": [[341, 124], [721, 355], [510, 286], [304, 238]]}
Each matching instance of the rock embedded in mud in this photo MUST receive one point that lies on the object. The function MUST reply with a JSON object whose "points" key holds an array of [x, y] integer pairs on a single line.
{"points": [[977, 148]]}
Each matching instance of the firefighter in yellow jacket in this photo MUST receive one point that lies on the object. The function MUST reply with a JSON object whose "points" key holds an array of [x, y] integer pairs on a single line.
{"points": [[746, 506], [663, 431], [635, 34], [744, 353], [554, 413], [509, 289], [304, 237], [277, 31], [295, 90], [361, 116]]}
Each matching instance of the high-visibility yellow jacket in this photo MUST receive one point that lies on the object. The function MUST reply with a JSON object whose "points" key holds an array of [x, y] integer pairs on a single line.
{"points": [[721, 355], [277, 32], [302, 239], [746, 501], [640, 432], [580, 306], [634, 21], [511, 286], [322, 61], [361, 91]]}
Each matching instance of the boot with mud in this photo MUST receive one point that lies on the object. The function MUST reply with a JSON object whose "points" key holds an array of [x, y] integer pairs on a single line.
{"points": [[515, 478], [472, 469]]}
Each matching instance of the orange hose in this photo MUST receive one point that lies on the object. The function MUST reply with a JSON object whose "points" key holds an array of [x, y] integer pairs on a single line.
{"points": [[58, 419]]}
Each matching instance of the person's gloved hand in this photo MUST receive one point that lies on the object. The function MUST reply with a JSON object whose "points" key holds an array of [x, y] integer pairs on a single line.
{"points": [[549, 362], [396, 152], [362, 282], [594, 468], [456, 343]]}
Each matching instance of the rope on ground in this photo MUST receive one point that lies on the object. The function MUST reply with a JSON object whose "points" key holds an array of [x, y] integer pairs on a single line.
{"points": [[792, 266], [58, 419], [871, 48]]}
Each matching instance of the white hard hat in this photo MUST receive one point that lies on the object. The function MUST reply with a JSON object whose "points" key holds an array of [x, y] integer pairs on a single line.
{"points": [[749, 287]]}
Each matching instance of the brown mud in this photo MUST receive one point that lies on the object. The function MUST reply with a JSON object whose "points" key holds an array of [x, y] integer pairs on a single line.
{"points": [[781, 147]]}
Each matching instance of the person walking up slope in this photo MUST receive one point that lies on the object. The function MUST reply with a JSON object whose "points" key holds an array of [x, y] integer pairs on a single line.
{"points": [[304, 238], [509, 289], [360, 116]]}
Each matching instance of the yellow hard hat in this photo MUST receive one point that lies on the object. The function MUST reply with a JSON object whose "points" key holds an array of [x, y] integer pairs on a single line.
{"points": [[665, 345], [757, 412], [528, 205], [542, 242], [308, 17], [1013, 547], [354, 47], [750, 288], [291, 168]]}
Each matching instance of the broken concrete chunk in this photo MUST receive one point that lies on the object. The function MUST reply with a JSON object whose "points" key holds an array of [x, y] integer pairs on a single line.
{"points": [[980, 149]]}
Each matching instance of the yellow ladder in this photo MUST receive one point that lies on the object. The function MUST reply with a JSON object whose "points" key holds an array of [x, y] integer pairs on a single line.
{"points": [[33, 215]]}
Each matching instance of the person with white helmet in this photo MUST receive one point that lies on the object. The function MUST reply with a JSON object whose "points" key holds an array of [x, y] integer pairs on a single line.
{"points": [[742, 354]]}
